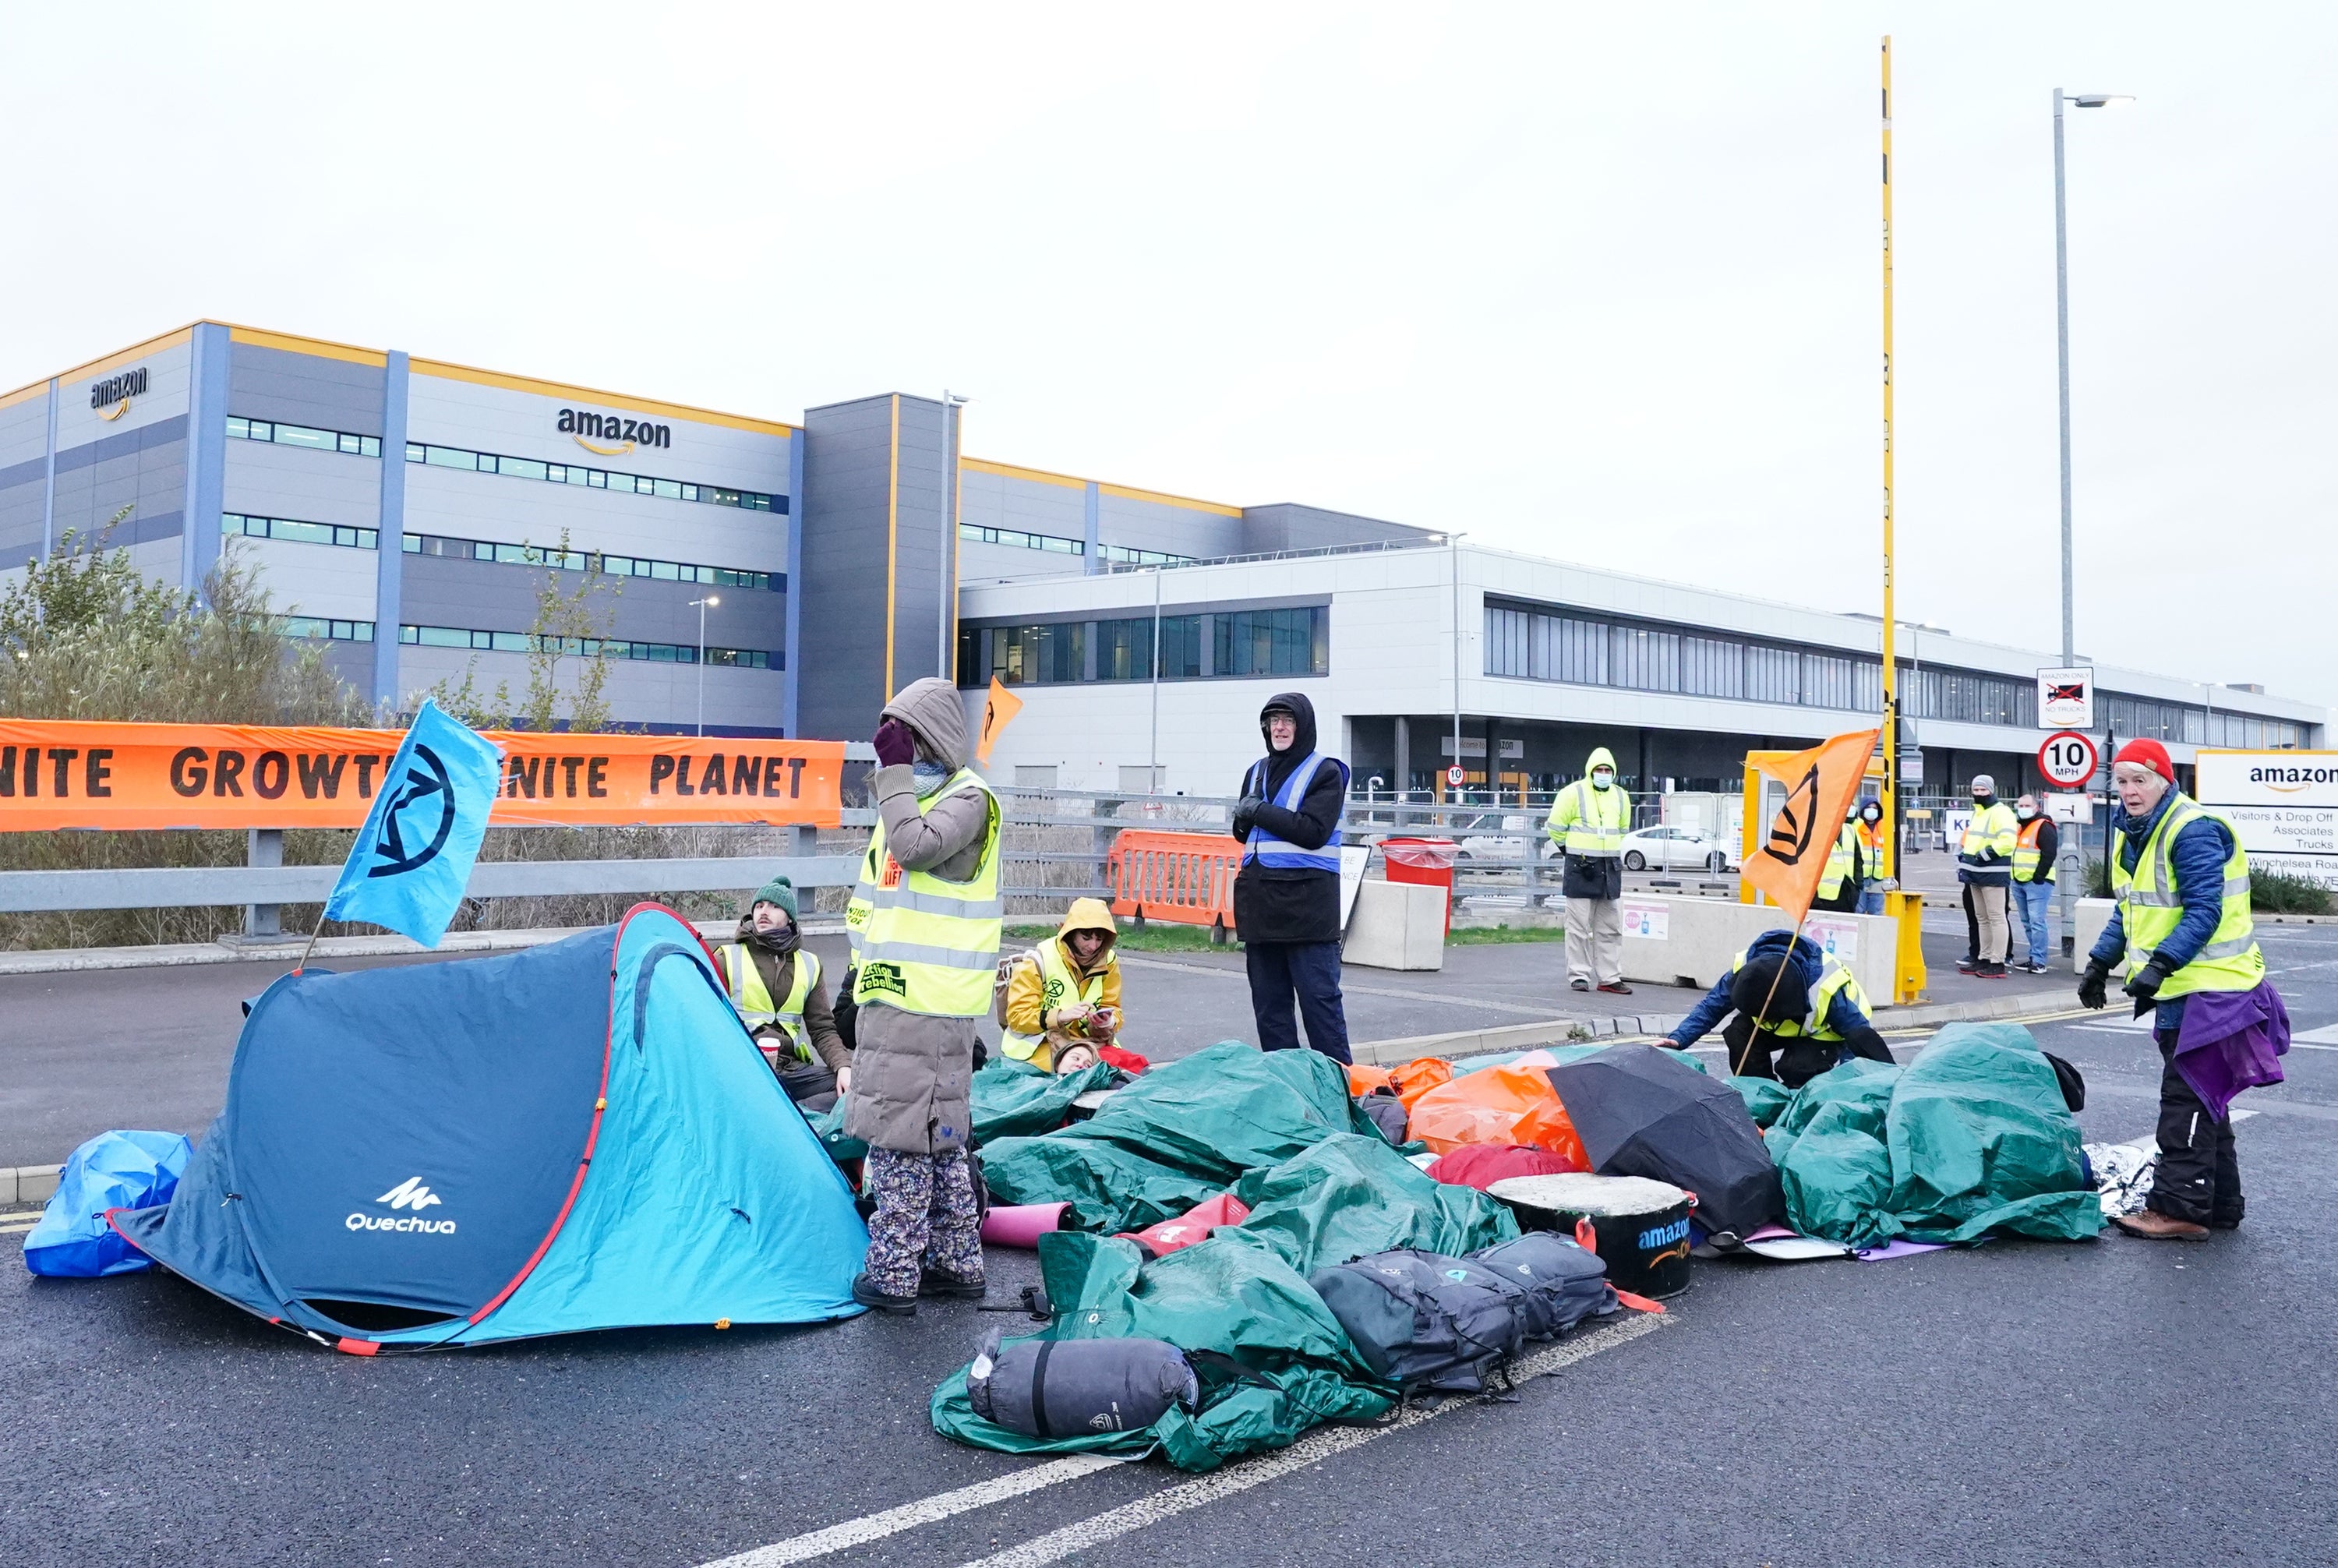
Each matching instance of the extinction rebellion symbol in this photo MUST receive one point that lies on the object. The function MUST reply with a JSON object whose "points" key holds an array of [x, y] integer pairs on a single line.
{"points": [[1797, 821], [393, 857]]}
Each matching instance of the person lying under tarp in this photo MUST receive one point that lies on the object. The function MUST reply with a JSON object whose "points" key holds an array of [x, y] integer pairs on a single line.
{"points": [[1061, 1006], [1812, 1016], [774, 981]]}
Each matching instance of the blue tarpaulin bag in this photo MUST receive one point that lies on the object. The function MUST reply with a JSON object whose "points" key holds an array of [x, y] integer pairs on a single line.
{"points": [[112, 1171]]}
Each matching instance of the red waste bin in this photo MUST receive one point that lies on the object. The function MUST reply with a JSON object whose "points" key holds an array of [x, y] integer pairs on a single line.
{"points": [[1426, 861]]}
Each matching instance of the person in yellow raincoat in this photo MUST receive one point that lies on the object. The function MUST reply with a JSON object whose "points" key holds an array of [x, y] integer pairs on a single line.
{"points": [[1063, 997]]}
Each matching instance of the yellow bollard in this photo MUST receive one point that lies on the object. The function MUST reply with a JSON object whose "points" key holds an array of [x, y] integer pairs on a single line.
{"points": [[1908, 964]]}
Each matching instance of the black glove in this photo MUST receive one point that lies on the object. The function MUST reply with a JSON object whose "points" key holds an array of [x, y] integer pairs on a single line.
{"points": [[2094, 985], [2144, 987], [1245, 813]]}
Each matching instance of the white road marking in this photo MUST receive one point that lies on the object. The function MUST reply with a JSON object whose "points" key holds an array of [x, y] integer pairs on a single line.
{"points": [[2325, 1035], [925, 1511], [1312, 1449]]}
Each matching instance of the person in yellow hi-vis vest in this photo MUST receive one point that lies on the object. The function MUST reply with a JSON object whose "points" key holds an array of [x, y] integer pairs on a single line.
{"points": [[1587, 823], [1063, 997], [1985, 866], [928, 952], [776, 984]]}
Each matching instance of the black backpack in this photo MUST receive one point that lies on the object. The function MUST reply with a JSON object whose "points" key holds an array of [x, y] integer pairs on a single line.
{"points": [[1426, 1323], [1563, 1283]]}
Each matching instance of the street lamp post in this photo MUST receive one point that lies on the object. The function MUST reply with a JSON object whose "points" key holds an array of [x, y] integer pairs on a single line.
{"points": [[701, 605], [2062, 342]]}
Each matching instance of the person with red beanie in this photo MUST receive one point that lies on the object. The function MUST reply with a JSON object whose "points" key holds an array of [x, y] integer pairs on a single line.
{"points": [[2183, 926]]}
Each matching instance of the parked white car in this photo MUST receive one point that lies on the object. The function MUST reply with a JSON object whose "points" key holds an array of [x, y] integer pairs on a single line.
{"points": [[1677, 850]]}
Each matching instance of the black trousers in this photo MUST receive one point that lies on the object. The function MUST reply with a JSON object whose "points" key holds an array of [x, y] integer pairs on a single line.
{"points": [[2199, 1176], [1309, 971], [1973, 927]]}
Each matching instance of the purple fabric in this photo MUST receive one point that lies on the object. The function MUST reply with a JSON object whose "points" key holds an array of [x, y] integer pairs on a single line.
{"points": [[1896, 1248], [2230, 1041]]}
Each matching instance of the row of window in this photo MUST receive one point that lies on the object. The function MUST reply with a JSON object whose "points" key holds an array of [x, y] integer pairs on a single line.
{"points": [[302, 436], [2132, 716], [1222, 644], [589, 646], [285, 434], [973, 533], [235, 524], [593, 478], [1130, 556], [328, 630], [590, 561], [1538, 646]]}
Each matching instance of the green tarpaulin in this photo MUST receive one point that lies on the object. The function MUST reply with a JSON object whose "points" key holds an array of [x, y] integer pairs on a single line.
{"points": [[1012, 1099], [1972, 1136], [1349, 1197], [1178, 1134]]}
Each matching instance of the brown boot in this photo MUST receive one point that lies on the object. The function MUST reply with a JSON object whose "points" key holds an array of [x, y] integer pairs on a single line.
{"points": [[2153, 1226]]}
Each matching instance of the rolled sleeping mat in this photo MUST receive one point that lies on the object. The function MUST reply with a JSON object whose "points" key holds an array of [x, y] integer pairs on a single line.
{"points": [[1022, 1224], [1050, 1388]]}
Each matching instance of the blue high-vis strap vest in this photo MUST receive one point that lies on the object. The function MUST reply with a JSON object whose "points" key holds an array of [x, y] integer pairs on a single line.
{"points": [[1281, 854]]}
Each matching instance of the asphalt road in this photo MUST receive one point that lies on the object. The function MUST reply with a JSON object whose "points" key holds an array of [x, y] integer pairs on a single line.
{"points": [[2022, 1403]]}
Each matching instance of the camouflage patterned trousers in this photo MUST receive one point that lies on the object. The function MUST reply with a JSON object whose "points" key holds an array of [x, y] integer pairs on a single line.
{"points": [[925, 1219]]}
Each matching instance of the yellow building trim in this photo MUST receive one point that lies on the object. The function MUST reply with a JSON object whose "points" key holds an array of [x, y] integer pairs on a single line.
{"points": [[1125, 492], [100, 367], [447, 371], [1009, 470], [892, 536], [316, 347], [24, 395]]}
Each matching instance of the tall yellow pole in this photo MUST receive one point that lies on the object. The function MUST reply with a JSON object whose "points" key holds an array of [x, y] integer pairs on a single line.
{"points": [[1891, 633]]}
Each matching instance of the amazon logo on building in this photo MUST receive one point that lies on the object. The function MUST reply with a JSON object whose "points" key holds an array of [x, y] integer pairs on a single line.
{"points": [[112, 396], [588, 427]]}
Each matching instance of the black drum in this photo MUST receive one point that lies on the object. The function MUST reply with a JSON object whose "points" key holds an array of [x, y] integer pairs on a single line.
{"points": [[1638, 1226]]}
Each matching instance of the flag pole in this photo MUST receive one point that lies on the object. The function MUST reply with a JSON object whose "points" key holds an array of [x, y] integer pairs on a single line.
{"points": [[312, 947], [1738, 1067], [1891, 791]]}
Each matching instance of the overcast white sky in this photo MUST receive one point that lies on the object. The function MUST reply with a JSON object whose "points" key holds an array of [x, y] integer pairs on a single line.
{"points": [[1594, 282]]}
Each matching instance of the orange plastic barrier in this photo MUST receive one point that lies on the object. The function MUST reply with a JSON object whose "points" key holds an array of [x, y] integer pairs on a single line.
{"points": [[1512, 1104], [1183, 878]]}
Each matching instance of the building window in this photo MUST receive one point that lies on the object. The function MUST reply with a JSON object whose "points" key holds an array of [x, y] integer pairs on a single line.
{"points": [[303, 436], [471, 462], [1272, 642], [589, 647], [1016, 539], [1127, 555], [236, 524], [324, 629], [1125, 649], [588, 560], [1049, 655]]}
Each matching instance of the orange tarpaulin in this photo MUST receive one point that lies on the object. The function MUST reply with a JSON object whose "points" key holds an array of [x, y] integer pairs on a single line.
{"points": [[59, 774], [1820, 784], [1508, 1105]]}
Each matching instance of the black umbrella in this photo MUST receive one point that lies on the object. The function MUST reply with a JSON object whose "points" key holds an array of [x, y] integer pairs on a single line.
{"points": [[1641, 1111]]}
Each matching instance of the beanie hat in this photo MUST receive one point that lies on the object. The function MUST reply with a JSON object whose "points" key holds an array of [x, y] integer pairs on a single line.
{"points": [[2150, 754], [1983, 784], [1758, 981], [779, 890]]}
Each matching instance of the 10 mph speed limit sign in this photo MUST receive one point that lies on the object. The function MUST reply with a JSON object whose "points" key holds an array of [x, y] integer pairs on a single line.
{"points": [[2068, 758]]}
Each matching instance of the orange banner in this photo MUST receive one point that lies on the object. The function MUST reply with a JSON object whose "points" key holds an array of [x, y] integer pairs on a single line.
{"points": [[1820, 784], [59, 774]]}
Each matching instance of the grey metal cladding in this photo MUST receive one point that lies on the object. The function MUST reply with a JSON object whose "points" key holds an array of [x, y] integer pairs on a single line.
{"points": [[925, 552], [163, 433], [479, 596], [304, 390], [847, 463], [1287, 526]]}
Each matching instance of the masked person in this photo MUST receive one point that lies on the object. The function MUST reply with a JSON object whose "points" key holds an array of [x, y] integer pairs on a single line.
{"points": [[928, 955], [1587, 823], [1287, 892], [1839, 879], [1063, 997], [1785, 996], [2036, 843], [2182, 923], [775, 983], [1985, 866], [1874, 857]]}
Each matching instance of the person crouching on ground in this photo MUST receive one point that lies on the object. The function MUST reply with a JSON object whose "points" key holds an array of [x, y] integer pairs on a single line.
{"points": [[1812, 1015], [1063, 997], [1287, 893], [775, 983], [929, 955]]}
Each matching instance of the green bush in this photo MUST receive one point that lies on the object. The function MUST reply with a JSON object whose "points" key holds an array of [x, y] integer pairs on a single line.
{"points": [[2272, 893]]}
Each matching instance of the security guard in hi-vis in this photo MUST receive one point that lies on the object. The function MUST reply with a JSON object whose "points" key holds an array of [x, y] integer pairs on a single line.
{"points": [[2182, 923], [1587, 821], [927, 951]]}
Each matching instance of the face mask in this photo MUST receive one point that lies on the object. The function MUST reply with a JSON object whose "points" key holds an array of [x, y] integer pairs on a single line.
{"points": [[1601, 778], [1873, 814], [1983, 800]]}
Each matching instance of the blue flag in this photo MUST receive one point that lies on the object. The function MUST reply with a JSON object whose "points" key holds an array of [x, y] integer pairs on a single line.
{"points": [[413, 857]]}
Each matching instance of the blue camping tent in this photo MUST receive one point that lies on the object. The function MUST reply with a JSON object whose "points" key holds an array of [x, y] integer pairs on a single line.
{"points": [[577, 1136]]}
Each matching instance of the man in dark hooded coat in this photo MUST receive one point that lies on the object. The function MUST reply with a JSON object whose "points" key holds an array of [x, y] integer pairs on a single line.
{"points": [[1287, 894]]}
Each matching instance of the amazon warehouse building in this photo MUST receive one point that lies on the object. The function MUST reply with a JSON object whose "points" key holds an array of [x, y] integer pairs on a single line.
{"points": [[406, 512]]}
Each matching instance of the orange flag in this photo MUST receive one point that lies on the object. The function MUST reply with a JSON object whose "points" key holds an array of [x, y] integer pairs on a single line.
{"points": [[998, 714], [1820, 784]]}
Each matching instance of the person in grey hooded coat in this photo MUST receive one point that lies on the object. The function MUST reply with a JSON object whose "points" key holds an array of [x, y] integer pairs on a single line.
{"points": [[911, 1074]]}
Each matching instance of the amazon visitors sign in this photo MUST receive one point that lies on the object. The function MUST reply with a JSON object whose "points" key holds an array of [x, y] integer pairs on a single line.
{"points": [[2284, 804]]}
